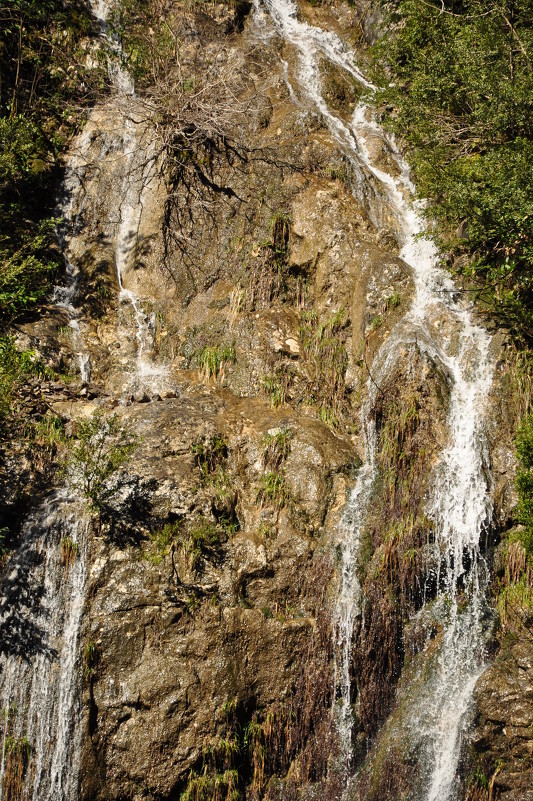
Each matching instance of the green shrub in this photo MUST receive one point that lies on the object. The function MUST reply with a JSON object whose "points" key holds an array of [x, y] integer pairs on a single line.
{"points": [[456, 84], [26, 273], [202, 538], [96, 456]]}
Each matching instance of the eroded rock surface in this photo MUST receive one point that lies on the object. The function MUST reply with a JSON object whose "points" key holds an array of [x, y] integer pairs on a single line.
{"points": [[231, 309]]}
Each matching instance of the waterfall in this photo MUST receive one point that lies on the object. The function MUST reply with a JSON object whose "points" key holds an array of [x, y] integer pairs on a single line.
{"points": [[43, 591], [440, 325], [42, 599], [111, 171]]}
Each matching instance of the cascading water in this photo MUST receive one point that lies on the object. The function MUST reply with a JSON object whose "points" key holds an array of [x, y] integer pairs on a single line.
{"points": [[43, 593], [41, 609], [440, 326], [115, 144]]}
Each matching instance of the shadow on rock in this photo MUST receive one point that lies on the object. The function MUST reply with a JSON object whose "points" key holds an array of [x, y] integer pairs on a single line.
{"points": [[124, 519], [22, 611]]}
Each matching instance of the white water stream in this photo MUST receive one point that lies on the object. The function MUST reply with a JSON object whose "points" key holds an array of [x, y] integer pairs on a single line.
{"points": [[41, 607], [42, 595], [42, 600], [111, 171], [441, 326]]}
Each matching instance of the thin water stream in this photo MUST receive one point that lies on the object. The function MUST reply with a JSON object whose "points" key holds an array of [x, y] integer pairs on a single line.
{"points": [[42, 599], [440, 325], [42, 596], [111, 172]]}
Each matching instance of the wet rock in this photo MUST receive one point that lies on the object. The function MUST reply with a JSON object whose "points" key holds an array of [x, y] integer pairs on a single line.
{"points": [[504, 716], [141, 397]]}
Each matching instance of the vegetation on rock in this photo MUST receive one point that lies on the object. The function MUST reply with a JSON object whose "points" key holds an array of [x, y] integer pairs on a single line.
{"points": [[456, 84], [95, 457], [44, 63], [515, 598]]}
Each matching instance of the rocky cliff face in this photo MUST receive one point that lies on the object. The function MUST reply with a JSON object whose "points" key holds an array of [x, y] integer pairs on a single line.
{"points": [[232, 295]]}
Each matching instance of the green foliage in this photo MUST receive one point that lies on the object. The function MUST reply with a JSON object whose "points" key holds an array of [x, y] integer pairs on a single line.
{"points": [[203, 539], [69, 552], [49, 432], [240, 752], [457, 85], [91, 657], [515, 599], [17, 752], [274, 387], [212, 360], [44, 80], [393, 301], [273, 490], [19, 746], [212, 786], [26, 272], [200, 539], [280, 227], [161, 541], [149, 45], [267, 530], [218, 778], [96, 456], [4, 552], [15, 368], [480, 778], [326, 360], [524, 482]]}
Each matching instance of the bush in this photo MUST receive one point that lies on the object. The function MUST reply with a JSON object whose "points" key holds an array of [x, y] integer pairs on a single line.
{"points": [[97, 453], [26, 273], [456, 84]]}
